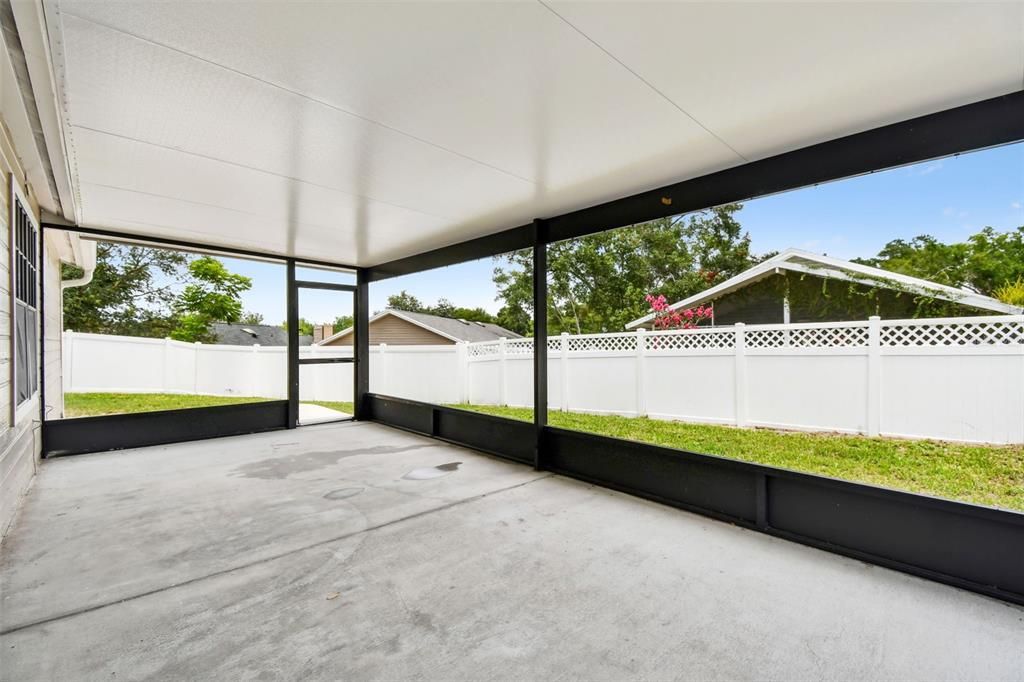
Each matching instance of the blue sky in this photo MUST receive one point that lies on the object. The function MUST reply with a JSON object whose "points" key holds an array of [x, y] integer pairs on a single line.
{"points": [[949, 199]]}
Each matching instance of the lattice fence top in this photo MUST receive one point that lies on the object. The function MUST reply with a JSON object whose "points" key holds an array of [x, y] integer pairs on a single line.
{"points": [[984, 332], [690, 339], [519, 346], [609, 343], [482, 349], [981, 331], [808, 337]]}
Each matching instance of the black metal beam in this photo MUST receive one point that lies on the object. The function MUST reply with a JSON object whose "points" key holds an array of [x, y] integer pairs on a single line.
{"points": [[127, 237], [988, 123], [330, 286], [508, 438], [482, 247], [325, 361], [293, 346], [362, 344], [119, 431], [540, 339]]}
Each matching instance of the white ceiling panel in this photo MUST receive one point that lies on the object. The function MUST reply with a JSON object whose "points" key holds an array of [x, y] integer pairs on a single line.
{"points": [[771, 77], [363, 132], [254, 197]]}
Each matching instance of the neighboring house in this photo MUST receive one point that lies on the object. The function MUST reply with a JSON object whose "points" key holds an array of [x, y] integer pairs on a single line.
{"points": [[253, 334], [404, 328], [798, 286]]}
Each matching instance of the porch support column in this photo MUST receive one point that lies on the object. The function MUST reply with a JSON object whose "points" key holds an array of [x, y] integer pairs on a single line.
{"points": [[540, 338], [293, 346], [362, 344]]}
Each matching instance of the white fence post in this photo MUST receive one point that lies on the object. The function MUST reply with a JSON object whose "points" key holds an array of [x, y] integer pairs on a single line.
{"points": [[563, 348], [383, 368], [741, 375], [874, 407], [195, 366], [165, 359], [254, 371], [502, 352], [461, 372], [641, 382]]}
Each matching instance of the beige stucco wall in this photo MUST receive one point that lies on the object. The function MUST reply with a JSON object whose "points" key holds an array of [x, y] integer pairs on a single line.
{"points": [[396, 331], [19, 440]]}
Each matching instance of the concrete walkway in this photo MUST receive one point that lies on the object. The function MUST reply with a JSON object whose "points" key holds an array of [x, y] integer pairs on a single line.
{"points": [[318, 414], [353, 551]]}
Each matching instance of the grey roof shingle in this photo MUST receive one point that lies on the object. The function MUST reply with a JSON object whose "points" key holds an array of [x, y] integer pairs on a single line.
{"points": [[464, 331], [471, 332], [252, 334]]}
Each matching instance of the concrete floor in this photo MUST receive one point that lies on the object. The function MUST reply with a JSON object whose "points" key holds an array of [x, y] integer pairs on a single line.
{"points": [[308, 555]]}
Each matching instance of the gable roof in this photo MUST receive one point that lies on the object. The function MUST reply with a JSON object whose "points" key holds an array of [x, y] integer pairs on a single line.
{"points": [[449, 328], [806, 262], [251, 334]]}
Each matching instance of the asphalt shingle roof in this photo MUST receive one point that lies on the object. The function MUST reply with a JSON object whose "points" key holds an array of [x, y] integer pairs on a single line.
{"points": [[464, 331], [263, 334]]}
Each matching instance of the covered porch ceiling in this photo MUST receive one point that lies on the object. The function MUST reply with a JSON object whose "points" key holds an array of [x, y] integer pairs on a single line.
{"points": [[364, 132]]}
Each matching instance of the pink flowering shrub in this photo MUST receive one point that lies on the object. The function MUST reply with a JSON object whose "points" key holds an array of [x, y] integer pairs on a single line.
{"points": [[667, 318]]}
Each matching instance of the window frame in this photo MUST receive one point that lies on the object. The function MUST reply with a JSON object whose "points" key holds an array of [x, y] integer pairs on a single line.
{"points": [[26, 268]]}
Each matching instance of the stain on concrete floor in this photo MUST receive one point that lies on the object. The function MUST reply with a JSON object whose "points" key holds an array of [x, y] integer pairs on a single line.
{"points": [[426, 473], [282, 467]]}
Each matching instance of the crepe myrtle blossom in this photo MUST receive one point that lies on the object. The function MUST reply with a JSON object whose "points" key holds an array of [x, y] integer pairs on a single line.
{"points": [[667, 318]]}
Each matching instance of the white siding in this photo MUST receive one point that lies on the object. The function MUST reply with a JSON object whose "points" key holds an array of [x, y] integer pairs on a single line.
{"points": [[19, 442]]}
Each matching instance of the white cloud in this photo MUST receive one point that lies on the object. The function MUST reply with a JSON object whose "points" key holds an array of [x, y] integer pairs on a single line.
{"points": [[927, 168], [1015, 204]]}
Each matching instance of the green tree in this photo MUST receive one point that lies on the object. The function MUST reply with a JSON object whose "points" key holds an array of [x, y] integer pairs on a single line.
{"points": [[405, 301], [1012, 292], [597, 283], [985, 262], [443, 307], [131, 293], [250, 317], [305, 327], [343, 322], [215, 295]]}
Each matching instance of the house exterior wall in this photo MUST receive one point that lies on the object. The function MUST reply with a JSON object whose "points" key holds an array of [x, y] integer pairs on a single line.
{"points": [[19, 437], [759, 303], [395, 331], [53, 324], [818, 299]]}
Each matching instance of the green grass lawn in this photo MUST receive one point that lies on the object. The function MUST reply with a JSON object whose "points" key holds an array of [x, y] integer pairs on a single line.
{"points": [[93, 404], [347, 408], [990, 475]]}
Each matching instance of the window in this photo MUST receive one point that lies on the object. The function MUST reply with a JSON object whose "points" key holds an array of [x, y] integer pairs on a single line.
{"points": [[25, 293]]}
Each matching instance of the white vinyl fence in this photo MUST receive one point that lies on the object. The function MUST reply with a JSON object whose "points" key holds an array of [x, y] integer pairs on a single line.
{"points": [[956, 379]]}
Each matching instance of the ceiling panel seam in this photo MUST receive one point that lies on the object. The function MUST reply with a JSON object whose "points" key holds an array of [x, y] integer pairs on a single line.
{"points": [[643, 80], [219, 207], [262, 171], [201, 240], [301, 95]]}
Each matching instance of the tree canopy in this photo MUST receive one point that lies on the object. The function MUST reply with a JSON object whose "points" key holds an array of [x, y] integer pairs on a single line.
{"points": [[151, 292], [213, 295], [131, 292], [598, 283], [443, 307], [985, 263]]}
